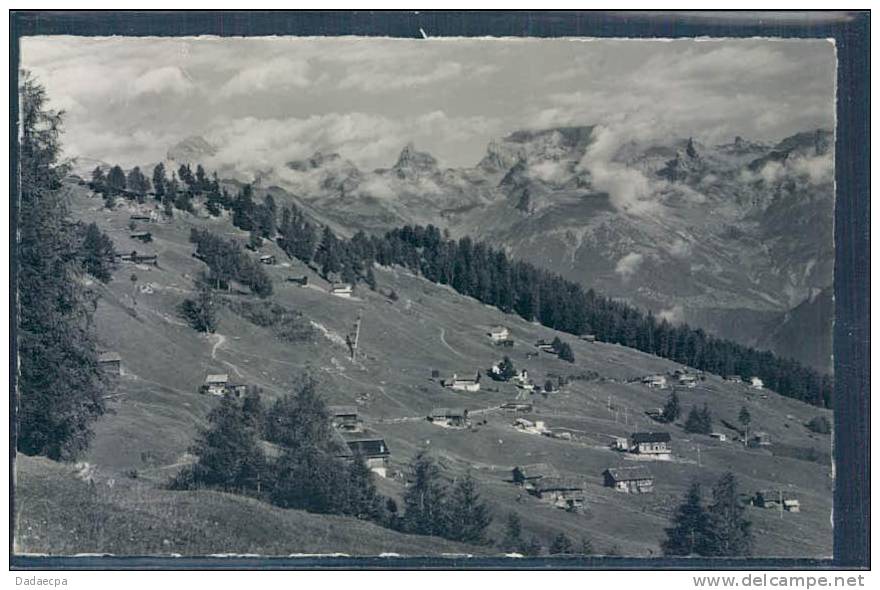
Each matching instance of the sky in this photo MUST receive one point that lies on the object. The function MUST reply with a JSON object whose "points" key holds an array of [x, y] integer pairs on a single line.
{"points": [[266, 101]]}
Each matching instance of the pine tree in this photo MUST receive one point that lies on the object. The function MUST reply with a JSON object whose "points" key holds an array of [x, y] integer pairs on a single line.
{"points": [[512, 540], [672, 409], [229, 455], [363, 501], [424, 498], [138, 183], [561, 545], [201, 312], [745, 419], [566, 353], [729, 532], [506, 370], [97, 253], [116, 180], [201, 181], [690, 526], [467, 517], [99, 181], [699, 421], [159, 180], [371, 278], [59, 386], [300, 419]]}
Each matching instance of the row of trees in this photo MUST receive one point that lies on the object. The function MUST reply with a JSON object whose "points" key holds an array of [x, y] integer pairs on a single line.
{"points": [[59, 385], [717, 530], [478, 270], [288, 455], [227, 262]]}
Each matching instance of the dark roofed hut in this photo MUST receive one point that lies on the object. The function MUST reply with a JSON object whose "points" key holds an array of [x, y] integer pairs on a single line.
{"points": [[345, 418], [110, 362], [562, 492], [451, 417], [373, 449], [633, 480]]}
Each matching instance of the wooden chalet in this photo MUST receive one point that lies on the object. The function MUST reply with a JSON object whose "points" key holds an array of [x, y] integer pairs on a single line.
{"points": [[562, 492], [267, 259], [450, 417], [462, 383], [373, 450], [216, 384], [110, 362], [776, 499], [143, 236], [654, 444], [345, 418], [517, 407], [632, 480], [760, 439], [498, 334], [302, 281]]}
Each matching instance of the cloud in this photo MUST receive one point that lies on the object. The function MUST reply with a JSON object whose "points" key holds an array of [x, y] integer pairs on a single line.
{"points": [[673, 315], [628, 265], [450, 96], [163, 80], [278, 74]]}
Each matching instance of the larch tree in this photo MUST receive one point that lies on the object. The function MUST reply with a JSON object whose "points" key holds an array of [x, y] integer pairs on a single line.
{"points": [[59, 387]]}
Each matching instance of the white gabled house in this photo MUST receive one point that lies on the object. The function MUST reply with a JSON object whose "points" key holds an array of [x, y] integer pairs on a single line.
{"points": [[462, 383], [216, 384], [341, 289], [498, 334]]}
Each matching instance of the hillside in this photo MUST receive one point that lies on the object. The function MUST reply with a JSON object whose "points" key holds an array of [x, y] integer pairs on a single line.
{"points": [[156, 411]]}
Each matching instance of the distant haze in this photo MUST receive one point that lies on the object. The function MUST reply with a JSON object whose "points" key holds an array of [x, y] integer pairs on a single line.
{"points": [[266, 101]]}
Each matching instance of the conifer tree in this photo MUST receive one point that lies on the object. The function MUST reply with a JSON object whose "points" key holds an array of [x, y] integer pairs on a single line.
{"points": [[99, 181], [745, 418], [561, 545], [228, 451], [60, 388], [201, 312], [424, 498], [362, 499], [690, 526], [116, 180], [159, 180], [512, 540], [467, 516], [672, 409], [729, 533], [98, 254]]}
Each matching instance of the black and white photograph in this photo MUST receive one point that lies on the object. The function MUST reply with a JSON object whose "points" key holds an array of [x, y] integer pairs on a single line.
{"points": [[449, 297]]}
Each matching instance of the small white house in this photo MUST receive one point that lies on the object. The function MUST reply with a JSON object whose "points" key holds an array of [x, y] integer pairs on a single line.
{"points": [[498, 334], [463, 383], [655, 381], [341, 289], [756, 383], [216, 384], [687, 380], [720, 436]]}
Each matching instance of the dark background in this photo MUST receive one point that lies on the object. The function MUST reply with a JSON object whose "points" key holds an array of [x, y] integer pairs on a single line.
{"points": [[851, 32]]}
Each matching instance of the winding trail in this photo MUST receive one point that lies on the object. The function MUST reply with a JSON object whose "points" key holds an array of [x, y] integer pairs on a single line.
{"points": [[446, 344]]}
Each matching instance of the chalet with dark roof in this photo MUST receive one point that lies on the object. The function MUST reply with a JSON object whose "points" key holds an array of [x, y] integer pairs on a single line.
{"points": [[632, 480], [656, 444]]}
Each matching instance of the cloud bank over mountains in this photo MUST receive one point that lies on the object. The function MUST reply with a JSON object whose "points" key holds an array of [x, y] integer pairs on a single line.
{"points": [[265, 101]]}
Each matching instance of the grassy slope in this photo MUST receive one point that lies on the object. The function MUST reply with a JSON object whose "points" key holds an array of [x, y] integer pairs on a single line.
{"points": [[128, 517], [157, 411]]}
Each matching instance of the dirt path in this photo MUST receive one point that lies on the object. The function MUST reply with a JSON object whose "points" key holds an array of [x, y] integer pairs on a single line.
{"points": [[220, 341], [446, 344]]}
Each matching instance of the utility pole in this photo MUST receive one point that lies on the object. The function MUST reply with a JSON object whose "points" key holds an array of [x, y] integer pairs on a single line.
{"points": [[699, 457], [353, 340]]}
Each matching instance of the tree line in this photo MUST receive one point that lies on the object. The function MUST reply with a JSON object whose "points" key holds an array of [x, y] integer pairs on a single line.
{"points": [[473, 268], [288, 454]]}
